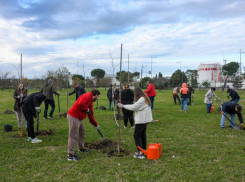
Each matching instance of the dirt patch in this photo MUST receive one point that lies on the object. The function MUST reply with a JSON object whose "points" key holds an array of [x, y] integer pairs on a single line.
{"points": [[63, 115], [8, 111], [45, 132], [107, 146]]}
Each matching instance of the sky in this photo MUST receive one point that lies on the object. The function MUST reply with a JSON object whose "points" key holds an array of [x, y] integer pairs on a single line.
{"points": [[157, 35]]}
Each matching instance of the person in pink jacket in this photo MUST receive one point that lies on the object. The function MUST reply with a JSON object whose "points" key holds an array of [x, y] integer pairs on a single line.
{"points": [[151, 92]]}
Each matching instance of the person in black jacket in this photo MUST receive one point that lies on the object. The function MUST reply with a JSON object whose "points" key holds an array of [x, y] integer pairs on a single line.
{"points": [[30, 106], [231, 108], [234, 95], [19, 94], [78, 89], [110, 96], [190, 93], [127, 97]]}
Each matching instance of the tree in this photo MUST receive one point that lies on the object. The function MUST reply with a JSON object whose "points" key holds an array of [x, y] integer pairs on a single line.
{"points": [[230, 68], [105, 82], [143, 82], [176, 78], [238, 82], [98, 74], [205, 83], [124, 76]]}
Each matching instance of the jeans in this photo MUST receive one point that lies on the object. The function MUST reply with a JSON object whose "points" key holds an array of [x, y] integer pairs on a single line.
{"points": [[184, 101], [236, 100], [110, 101], [222, 123], [208, 107], [51, 103], [152, 100]]}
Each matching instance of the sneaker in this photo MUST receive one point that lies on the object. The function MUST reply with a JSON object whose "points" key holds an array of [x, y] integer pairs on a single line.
{"points": [[73, 157], [35, 140], [50, 117], [125, 126], [137, 153], [83, 150], [139, 156], [29, 139], [180, 110]]}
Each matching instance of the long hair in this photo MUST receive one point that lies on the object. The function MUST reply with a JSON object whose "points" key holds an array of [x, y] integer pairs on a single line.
{"points": [[138, 93], [18, 89]]}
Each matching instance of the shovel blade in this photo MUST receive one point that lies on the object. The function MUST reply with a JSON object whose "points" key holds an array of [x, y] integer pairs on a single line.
{"points": [[236, 127]]}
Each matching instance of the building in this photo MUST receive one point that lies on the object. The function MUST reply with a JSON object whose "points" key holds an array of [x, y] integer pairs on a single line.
{"points": [[210, 72]]}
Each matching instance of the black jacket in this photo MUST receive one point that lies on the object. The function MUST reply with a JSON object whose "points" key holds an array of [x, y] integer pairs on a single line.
{"points": [[110, 94], [79, 91], [229, 107], [17, 100], [127, 96], [234, 95], [32, 101]]}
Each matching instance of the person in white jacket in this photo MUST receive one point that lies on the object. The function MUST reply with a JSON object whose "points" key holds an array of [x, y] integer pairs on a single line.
{"points": [[208, 98], [143, 115]]}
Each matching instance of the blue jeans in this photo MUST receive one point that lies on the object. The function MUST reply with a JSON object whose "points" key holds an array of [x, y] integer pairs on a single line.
{"points": [[208, 107], [236, 100], [152, 100], [51, 103], [112, 105], [222, 123], [184, 101]]}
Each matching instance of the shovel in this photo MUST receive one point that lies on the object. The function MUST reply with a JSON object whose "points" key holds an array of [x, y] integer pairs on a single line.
{"points": [[37, 123], [234, 125], [95, 124], [59, 105], [192, 100]]}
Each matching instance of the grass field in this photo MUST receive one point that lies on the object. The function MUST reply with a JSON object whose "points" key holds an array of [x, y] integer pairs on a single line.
{"points": [[195, 148]]}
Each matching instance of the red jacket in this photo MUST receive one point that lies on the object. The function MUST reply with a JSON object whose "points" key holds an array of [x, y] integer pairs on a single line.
{"points": [[80, 107], [150, 90]]}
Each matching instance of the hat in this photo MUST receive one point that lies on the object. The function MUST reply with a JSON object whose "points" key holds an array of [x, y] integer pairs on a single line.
{"points": [[239, 108], [50, 81]]}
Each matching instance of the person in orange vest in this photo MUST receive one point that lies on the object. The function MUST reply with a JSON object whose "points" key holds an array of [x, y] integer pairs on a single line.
{"points": [[184, 92], [151, 92]]}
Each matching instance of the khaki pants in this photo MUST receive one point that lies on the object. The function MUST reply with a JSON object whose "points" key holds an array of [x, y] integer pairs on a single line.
{"points": [[76, 134]]}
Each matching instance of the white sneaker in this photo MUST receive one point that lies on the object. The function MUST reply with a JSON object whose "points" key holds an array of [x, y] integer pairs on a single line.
{"points": [[35, 140]]}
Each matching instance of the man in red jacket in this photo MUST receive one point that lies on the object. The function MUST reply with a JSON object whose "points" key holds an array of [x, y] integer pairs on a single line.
{"points": [[75, 116], [151, 93]]}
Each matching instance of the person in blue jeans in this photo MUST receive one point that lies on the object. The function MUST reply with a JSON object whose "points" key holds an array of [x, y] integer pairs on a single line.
{"points": [[234, 95], [208, 98], [184, 92], [231, 108]]}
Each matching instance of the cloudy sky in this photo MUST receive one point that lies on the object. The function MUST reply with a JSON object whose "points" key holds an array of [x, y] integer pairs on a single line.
{"points": [[76, 33]]}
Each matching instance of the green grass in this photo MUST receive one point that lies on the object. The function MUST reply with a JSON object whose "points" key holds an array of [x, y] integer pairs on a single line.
{"points": [[203, 151]]}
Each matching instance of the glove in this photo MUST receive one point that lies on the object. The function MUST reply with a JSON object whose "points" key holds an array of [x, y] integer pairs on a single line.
{"points": [[18, 96], [88, 112], [38, 109], [120, 105], [97, 127], [242, 126], [21, 95], [58, 94]]}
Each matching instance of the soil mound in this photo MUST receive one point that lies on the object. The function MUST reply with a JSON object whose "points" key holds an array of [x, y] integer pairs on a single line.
{"points": [[45, 132], [8, 111], [63, 115], [107, 146]]}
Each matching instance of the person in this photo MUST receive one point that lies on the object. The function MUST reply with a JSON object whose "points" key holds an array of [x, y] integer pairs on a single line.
{"points": [[78, 112], [143, 115], [190, 93], [175, 94], [78, 89], [184, 92], [234, 95], [30, 106], [20, 94], [231, 108], [151, 93], [208, 98], [127, 97], [48, 89], [110, 96]]}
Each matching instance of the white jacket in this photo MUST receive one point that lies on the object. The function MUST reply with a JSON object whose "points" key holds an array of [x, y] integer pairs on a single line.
{"points": [[142, 111], [208, 97]]}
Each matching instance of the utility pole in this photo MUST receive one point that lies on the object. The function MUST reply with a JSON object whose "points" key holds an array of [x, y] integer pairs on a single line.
{"points": [[141, 77], [128, 68], [151, 66], [241, 63], [20, 68]]}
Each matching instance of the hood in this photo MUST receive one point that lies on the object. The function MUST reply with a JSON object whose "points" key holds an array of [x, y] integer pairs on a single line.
{"points": [[184, 85]]}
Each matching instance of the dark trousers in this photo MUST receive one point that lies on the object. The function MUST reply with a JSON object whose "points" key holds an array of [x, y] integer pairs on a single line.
{"points": [[176, 96], [190, 98], [152, 101], [51, 103], [128, 115], [140, 135], [30, 122]]}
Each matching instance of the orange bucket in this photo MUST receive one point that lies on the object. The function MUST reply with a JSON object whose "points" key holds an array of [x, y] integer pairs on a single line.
{"points": [[212, 108], [152, 151]]}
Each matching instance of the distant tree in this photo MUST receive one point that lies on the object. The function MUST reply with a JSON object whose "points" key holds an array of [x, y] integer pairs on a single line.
{"points": [[77, 76], [98, 74], [143, 82], [124, 76], [105, 82], [230, 68], [206, 84], [238, 82], [176, 78]]}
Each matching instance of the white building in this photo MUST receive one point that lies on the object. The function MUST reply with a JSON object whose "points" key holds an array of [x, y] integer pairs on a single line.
{"points": [[113, 79], [210, 72]]}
